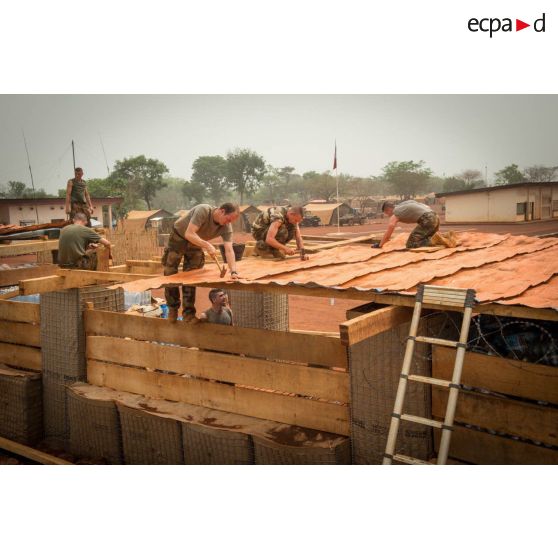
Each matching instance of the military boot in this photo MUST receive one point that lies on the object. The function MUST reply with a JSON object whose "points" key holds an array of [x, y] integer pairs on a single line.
{"points": [[173, 315]]}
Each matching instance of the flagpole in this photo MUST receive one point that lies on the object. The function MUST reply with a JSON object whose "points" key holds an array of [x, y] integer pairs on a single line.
{"points": [[336, 184]]}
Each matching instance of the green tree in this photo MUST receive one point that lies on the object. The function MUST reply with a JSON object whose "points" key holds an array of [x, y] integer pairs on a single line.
{"points": [[16, 189], [509, 175], [210, 174], [472, 178], [245, 171], [540, 173], [194, 193], [271, 185], [139, 175], [324, 186], [407, 177], [455, 184]]}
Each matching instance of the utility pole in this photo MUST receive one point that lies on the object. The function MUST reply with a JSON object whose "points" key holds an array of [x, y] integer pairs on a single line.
{"points": [[31, 173]]}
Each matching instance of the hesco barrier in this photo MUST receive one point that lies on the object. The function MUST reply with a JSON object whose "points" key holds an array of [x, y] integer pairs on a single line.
{"points": [[21, 405], [375, 364], [63, 349], [94, 428], [163, 432], [260, 310]]}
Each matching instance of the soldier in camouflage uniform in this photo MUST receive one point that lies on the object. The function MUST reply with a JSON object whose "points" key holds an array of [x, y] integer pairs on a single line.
{"points": [[77, 245], [411, 211], [188, 239], [274, 228], [77, 197]]}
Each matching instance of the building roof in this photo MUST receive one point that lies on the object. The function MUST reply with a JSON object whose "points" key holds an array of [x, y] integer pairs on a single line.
{"points": [[137, 214], [503, 269], [493, 188], [56, 201]]}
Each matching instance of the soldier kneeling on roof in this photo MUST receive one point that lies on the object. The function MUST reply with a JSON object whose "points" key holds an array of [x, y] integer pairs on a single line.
{"points": [[77, 245], [189, 237], [274, 228], [411, 211]]}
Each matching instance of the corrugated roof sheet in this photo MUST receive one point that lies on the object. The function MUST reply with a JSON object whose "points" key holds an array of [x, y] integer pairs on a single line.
{"points": [[506, 269]]}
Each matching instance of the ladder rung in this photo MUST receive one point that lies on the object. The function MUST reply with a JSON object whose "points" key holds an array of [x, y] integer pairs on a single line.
{"points": [[429, 380], [409, 460], [435, 341], [422, 420]]}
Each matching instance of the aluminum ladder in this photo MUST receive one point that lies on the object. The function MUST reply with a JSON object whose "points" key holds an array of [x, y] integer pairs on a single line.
{"points": [[441, 296]]}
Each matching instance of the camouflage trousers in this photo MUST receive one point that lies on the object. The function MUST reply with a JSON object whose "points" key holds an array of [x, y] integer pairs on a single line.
{"points": [[421, 235], [78, 207], [87, 262], [263, 248], [194, 258]]}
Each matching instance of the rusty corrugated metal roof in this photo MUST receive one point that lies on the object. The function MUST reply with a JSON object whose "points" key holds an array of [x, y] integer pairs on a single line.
{"points": [[505, 269]]}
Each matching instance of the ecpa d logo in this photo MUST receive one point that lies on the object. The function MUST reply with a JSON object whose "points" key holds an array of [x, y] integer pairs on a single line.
{"points": [[492, 25]]}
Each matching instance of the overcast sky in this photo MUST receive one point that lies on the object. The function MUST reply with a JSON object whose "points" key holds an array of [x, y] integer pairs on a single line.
{"points": [[450, 132]]}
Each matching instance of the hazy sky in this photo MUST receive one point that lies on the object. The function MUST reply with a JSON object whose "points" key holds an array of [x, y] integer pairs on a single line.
{"points": [[450, 132]]}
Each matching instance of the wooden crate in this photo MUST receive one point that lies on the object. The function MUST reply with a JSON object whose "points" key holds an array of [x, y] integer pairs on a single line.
{"points": [[510, 410], [293, 378], [20, 334]]}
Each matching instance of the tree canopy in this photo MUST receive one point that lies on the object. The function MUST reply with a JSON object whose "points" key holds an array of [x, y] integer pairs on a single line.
{"points": [[245, 171], [408, 178], [139, 175], [509, 175], [16, 189], [540, 173], [210, 176]]}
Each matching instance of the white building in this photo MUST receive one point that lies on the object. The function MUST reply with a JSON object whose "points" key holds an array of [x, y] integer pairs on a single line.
{"points": [[503, 204], [50, 210]]}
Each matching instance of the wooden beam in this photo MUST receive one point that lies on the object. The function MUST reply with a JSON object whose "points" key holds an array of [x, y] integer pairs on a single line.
{"points": [[299, 411], [9, 294], [388, 299], [291, 378], [528, 420], [481, 448], [322, 237], [20, 333], [156, 266], [41, 285], [103, 262], [31, 453], [20, 311], [279, 345], [72, 278], [511, 377], [94, 276], [23, 357], [368, 325], [14, 276], [354, 240], [27, 248]]}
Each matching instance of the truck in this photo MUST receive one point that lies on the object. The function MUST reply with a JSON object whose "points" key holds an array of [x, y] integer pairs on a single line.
{"points": [[352, 218]]}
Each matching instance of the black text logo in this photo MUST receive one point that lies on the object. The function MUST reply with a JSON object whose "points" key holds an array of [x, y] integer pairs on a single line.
{"points": [[493, 25]]}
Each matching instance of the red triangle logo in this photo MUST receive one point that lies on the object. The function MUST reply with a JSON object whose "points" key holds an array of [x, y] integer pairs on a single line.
{"points": [[519, 25]]}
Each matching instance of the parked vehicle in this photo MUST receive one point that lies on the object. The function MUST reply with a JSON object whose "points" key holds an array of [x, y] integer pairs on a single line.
{"points": [[353, 218], [310, 221]]}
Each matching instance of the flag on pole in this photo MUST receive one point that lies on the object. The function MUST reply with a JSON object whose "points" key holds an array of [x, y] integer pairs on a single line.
{"points": [[335, 156]]}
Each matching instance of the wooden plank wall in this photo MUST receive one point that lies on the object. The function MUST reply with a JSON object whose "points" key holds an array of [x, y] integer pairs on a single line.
{"points": [[517, 415], [140, 245], [20, 334], [294, 378]]}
